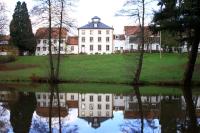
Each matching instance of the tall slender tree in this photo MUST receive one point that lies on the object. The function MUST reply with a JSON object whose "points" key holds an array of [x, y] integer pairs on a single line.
{"points": [[21, 30]]}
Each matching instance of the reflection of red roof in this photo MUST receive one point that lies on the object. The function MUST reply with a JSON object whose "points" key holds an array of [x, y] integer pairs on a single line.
{"points": [[42, 33], [72, 104], [147, 114], [44, 111], [72, 40]]}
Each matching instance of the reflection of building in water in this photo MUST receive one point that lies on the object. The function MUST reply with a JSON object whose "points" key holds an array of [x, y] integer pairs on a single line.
{"points": [[8, 96], [150, 106], [72, 100], [95, 108], [43, 104], [118, 102]]}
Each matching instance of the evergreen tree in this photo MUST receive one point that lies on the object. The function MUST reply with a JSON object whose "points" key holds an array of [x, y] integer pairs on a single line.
{"points": [[21, 29]]}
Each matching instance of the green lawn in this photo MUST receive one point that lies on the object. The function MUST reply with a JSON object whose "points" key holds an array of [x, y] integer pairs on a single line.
{"points": [[104, 68]]}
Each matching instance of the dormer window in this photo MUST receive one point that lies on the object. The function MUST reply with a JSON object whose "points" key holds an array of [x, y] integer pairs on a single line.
{"points": [[95, 25]]}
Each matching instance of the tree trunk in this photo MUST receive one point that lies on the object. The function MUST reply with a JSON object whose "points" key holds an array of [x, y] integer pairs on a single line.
{"points": [[52, 77], [187, 80], [59, 115], [137, 92], [60, 35]]}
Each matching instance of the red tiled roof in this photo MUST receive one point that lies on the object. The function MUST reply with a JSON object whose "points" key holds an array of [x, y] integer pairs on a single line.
{"points": [[132, 30], [72, 40], [42, 33]]}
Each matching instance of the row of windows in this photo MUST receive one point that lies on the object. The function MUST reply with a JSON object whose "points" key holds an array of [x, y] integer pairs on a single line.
{"points": [[45, 48], [47, 104], [91, 113], [92, 32], [99, 47], [46, 41], [91, 106], [99, 98], [92, 39], [44, 96]]}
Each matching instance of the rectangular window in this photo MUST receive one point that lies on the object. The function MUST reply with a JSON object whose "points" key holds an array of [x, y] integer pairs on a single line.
{"points": [[107, 39], [91, 106], [61, 48], [44, 96], [72, 97], [72, 48], [83, 106], [116, 48], [99, 106], [61, 96], [83, 39], [99, 98], [91, 32], [91, 98], [38, 96], [55, 41], [38, 48], [83, 32], [91, 39], [99, 39], [99, 47], [61, 41], [107, 98], [131, 47], [55, 48], [107, 106], [107, 48], [99, 32], [38, 41], [107, 32], [91, 47], [44, 41], [44, 104], [44, 48]]}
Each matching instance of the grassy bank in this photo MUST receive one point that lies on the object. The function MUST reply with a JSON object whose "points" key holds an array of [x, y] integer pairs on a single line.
{"points": [[101, 68]]}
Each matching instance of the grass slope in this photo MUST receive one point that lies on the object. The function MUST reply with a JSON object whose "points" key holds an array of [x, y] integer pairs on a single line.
{"points": [[104, 68]]}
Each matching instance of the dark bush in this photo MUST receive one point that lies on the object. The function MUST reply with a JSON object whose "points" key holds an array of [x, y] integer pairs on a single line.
{"points": [[7, 59]]}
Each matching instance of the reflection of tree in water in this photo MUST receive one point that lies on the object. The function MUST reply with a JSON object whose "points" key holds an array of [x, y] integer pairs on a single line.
{"points": [[22, 111], [4, 122], [41, 126]]}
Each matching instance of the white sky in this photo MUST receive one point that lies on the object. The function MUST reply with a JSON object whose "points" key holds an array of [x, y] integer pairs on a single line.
{"points": [[85, 10]]}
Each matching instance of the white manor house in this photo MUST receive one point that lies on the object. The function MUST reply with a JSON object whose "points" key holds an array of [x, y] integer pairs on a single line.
{"points": [[94, 38]]}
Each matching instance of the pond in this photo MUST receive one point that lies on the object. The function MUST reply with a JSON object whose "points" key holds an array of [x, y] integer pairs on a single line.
{"points": [[92, 112]]}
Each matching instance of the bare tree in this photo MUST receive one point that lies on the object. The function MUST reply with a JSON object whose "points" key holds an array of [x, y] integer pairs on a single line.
{"points": [[54, 13], [3, 18]]}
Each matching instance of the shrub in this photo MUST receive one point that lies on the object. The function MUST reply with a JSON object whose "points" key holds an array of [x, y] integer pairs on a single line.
{"points": [[7, 59]]}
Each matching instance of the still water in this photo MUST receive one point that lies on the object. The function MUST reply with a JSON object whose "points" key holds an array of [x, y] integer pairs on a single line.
{"points": [[23, 112]]}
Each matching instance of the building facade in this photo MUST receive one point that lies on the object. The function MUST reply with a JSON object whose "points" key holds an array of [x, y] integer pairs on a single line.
{"points": [[95, 38], [42, 47], [133, 41]]}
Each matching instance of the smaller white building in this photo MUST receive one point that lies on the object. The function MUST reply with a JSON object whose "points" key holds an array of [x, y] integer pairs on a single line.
{"points": [[72, 45], [119, 43], [133, 39], [42, 47]]}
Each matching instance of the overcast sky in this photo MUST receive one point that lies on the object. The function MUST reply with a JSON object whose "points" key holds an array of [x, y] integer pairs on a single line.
{"points": [[86, 9]]}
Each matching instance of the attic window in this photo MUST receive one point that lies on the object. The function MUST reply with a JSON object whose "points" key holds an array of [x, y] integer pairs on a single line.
{"points": [[95, 25]]}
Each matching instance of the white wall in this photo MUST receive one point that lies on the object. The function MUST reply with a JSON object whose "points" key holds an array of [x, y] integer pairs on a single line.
{"points": [[41, 44], [72, 49]]}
